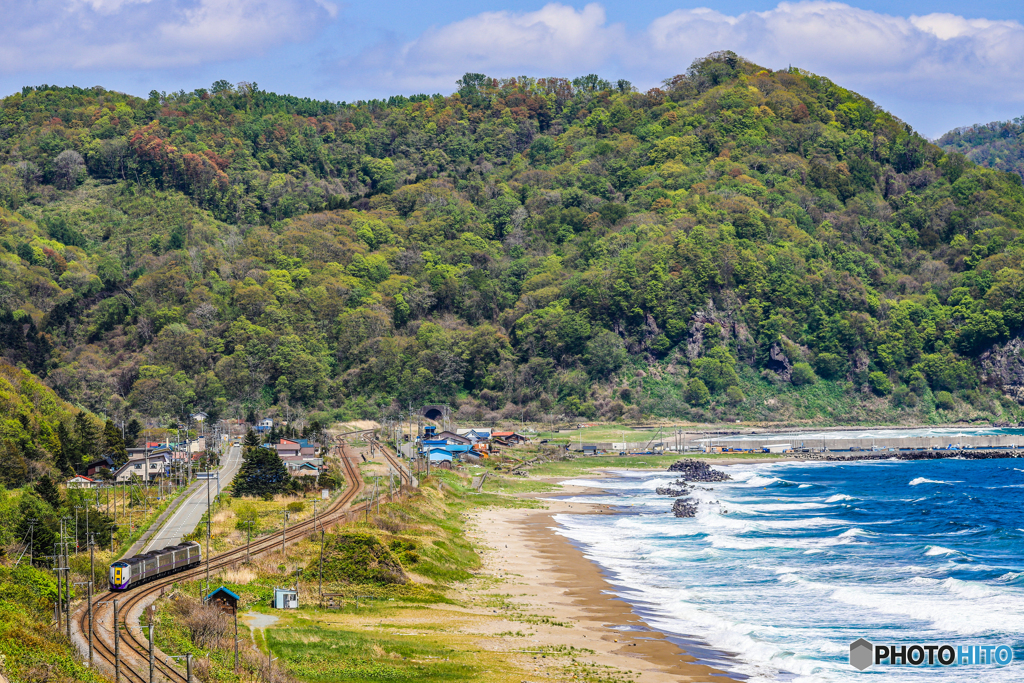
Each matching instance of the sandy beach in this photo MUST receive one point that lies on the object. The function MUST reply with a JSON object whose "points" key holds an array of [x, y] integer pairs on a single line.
{"points": [[545, 574]]}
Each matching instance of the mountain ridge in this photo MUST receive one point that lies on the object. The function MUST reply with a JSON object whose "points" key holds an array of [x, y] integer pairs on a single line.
{"points": [[740, 243]]}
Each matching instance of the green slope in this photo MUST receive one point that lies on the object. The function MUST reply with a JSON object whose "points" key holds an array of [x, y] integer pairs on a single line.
{"points": [[738, 243]]}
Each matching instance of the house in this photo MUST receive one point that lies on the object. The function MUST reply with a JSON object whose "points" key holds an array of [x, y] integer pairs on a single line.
{"points": [[80, 482], [148, 467], [440, 458], [199, 417], [449, 437], [104, 463], [510, 438], [475, 434], [265, 425]]}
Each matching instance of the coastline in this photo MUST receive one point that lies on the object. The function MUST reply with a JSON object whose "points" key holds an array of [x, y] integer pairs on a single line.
{"points": [[546, 573]]}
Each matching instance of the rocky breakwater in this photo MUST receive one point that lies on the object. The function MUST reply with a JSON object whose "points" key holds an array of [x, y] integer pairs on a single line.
{"points": [[689, 470]]}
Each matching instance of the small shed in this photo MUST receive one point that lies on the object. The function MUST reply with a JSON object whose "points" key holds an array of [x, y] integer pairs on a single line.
{"points": [[778, 448], [223, 598], [286, 598]]}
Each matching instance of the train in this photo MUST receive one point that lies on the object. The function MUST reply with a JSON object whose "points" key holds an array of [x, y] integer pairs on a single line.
{"points": [[127, 574]]}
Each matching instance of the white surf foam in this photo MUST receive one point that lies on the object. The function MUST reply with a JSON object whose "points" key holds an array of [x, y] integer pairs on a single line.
{"points": [[922, 480], [838, 497], [939, 550]]}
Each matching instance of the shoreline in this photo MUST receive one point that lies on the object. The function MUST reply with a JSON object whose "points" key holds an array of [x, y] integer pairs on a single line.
{"points": [[550, 573]]}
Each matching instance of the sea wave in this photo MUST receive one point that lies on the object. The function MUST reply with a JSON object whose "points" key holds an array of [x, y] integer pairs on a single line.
{"points": [[838, 497], [922, 480], [939, 550]]}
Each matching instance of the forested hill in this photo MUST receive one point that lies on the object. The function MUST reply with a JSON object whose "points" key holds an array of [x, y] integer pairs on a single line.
{"points": [[999, 144], [737, 243]]}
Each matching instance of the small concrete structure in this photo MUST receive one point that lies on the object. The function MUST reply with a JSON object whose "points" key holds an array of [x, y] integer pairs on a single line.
{"points": [[286, 598], [778, 447]]}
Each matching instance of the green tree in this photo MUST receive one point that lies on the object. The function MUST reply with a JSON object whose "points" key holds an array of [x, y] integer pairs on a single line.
{"points": [[944, 400], [262, 473], [132, 433], [113, 444], [47, 490], [880, 383], [606, 353], [87, 438], [697, 393], [66, 453]]}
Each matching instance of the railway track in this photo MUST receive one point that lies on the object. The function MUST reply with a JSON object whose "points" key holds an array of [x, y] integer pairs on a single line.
{"points": [[131, 602], [404, 474]]}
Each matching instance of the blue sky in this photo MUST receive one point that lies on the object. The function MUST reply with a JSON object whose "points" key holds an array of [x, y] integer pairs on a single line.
{"points": [[937, 65]]}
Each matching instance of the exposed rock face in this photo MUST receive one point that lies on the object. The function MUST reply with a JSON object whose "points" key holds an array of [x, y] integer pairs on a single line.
{"points": [[684, 507], [697, 470], [1003, 365], [779, 362]]}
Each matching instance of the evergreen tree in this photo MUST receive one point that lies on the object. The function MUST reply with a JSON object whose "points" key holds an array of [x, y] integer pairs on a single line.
{"points": [[87, 439], [252, 440], [114, 443], [37, 524], [48, 491], [132, 433], [66, 453], [262, 473]]}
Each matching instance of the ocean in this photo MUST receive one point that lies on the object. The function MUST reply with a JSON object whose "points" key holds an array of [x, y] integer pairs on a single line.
{"points": [[789, 563]]}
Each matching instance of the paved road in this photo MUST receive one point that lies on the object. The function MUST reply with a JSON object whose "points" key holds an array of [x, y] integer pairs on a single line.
{"points": [[190, 512]]}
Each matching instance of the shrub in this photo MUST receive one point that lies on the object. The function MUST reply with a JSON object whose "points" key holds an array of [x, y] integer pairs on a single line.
{"points": [[297, 506], [803, 374], [830, 365], [697, 393], [735, 396], [944, 400], [880, 383]]}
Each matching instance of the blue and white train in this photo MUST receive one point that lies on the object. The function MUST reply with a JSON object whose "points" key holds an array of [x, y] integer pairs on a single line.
{"points": [[126, 574]]}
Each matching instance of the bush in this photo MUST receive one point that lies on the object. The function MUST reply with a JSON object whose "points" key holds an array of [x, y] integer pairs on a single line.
{"points": [[880, 383], [944, 400], [697, 393], [830, 365], [735, 396], [297, 506], [803, 374]]}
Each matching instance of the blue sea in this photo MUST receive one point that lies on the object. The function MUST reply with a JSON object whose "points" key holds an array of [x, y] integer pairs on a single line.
{"points": [[789, 563]]}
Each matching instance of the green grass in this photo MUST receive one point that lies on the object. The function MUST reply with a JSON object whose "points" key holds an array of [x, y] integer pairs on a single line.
{"points": [[326, 653]]}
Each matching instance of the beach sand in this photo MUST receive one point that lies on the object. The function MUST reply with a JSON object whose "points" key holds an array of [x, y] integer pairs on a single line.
{"points": [[547, 576]]}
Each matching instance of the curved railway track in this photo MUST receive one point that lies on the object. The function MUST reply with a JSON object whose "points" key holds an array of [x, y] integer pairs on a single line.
{"points": [[133, 642]]}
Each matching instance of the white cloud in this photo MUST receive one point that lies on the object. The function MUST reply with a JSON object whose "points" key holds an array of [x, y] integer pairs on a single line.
{"points": [[134, 34], [938, 57]]}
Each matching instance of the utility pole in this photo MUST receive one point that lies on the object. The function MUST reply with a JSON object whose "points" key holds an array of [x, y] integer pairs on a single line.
{"points": [[314, 515], [152, 673], [284, 529], [89, 584], [117, 647], [321, 565], [209, 521], [248, 538], [59, 609]]}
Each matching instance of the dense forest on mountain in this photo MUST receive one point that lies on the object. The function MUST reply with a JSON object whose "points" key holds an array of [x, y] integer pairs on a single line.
{"points": [[739, 242], [999, 144]]}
